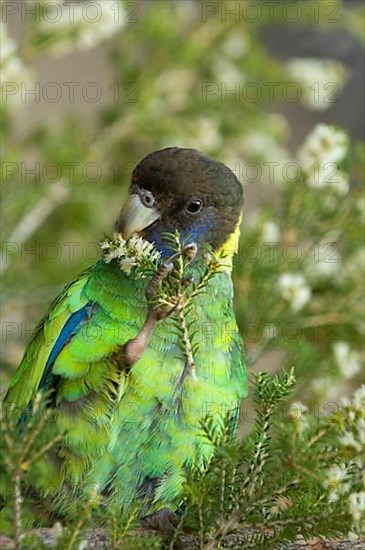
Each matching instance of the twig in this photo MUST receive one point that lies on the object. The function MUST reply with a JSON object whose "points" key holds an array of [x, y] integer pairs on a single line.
{"points": [[177, 530], [42, 451], [315, 438], [33, 219], [17, 508], [187, 347], [223, 487]]}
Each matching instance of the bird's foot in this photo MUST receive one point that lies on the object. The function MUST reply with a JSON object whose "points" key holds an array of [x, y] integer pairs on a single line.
{"points": [[135, 347], [164, 521]]}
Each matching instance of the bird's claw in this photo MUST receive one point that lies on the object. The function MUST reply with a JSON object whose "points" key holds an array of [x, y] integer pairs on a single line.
{"points": [[134, 348], [157, 279], [190, 251]]}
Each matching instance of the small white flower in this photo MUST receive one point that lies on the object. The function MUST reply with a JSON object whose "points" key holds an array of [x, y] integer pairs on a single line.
{"points": [[325, 261], [296, 413], [320, 155], [113, 249], [207, 133], [127, 264], [129, 253], [341, 183], [265, 146], [236, 45], [13, 71], [279, 126], [173, 87], [294, 289], [328, 175], [83, 25], [230, 78], [357, 505], [255, 142], [326, 140], [58, 529], [8, 47], [270, 232], [348, 440], [347, 360], [105, 245], [297, 410], [358, 399], [321, 386], [319, 79], [336, 474], [345, 401]]}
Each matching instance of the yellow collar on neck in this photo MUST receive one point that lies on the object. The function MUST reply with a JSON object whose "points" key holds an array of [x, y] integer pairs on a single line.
{"points": [[230, 247]]}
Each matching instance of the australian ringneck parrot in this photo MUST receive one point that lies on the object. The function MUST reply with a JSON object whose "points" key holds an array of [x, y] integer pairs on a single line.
{"points": [[132, 428]]}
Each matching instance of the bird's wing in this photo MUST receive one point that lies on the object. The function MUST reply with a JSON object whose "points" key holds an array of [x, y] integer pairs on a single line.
{"points": [[77, 354], [65, 317], [76, 348]]}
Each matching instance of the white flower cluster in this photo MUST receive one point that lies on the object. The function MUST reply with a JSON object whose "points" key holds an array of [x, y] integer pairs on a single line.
{"points": [[13, 70], [320, 80], [135, 252], [83, 24], [236, 45], [297, 414], [207, 133], [264, 145], [227, 72], [173, 87], [320, 156], [353, 437], [354, 416], [295, 290], [325, 262], [337, 475], [346, 480], [357, 506], [270, 232], [347, 360]]}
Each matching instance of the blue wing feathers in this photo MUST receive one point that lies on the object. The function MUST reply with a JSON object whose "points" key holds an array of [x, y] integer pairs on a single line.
{"points": [[71, 327]]}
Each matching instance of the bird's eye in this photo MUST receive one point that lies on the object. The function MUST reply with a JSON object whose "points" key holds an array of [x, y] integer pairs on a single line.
{"points": [[194, 206], [147, 198]]}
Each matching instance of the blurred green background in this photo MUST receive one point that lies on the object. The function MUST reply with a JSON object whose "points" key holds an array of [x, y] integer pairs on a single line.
{"points": [[272, 89]]}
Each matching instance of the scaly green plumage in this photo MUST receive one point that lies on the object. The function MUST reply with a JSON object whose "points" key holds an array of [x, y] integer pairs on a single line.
{"points": [[132, 431], [152, 426]]}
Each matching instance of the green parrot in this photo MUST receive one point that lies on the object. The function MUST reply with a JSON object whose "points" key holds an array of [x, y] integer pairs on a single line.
{"points": [[121, 388]]}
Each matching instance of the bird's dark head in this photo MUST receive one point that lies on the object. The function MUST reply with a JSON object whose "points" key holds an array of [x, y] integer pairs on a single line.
{"points": [[181, 189]]}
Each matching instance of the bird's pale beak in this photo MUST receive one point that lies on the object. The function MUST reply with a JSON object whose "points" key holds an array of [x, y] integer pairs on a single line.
{"points": [[134, 217]]}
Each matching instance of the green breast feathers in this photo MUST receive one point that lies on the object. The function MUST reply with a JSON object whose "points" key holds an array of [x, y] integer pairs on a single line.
{"points": [[143, 347]]}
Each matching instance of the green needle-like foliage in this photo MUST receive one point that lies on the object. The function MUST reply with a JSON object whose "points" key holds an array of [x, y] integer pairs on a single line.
{"points": [[276, 483]]}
